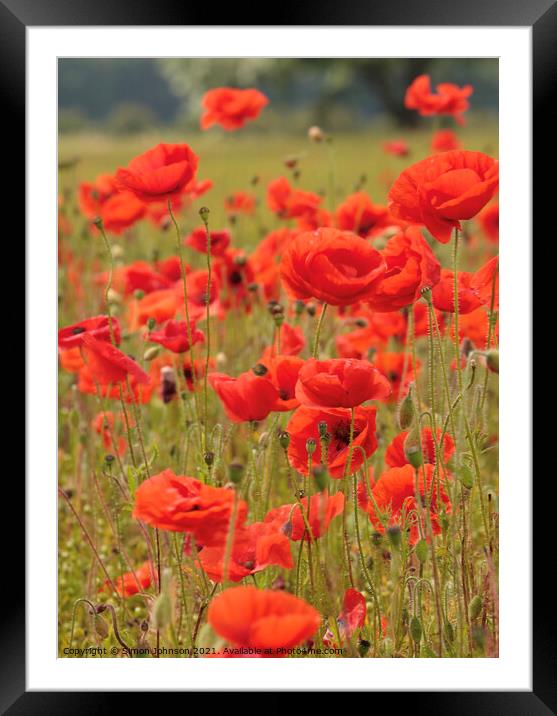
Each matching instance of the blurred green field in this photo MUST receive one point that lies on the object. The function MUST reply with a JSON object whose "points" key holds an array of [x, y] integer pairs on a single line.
{"points": [[232, 161]]}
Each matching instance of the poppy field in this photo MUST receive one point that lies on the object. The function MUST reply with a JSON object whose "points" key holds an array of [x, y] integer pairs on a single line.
{"points": [[278, 388]]}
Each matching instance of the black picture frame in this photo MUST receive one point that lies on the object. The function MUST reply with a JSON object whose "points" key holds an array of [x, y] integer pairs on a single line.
{"points": [[541, 16]]}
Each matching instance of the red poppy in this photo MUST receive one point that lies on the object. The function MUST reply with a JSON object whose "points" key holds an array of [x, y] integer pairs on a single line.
{"points": [[258, 619], [235, 273], [121, 211], [138, 392], [71, 359], [231, 108], [374, 331], [198, 293], [254, 548], [351, 618], [396, 457], [397, 147], [334, 266], [198, 240], [322, 509], [174, 336], [141, 276], [170, 268], [340, 383], [134, 582], [93, 195], [444, 140], [360, 215], [486, 283], [98, 327], [265, 260], [475, 327], [240, 203], [103, 424], [489, 221], [411, 266], [391, 365], [304, 424], [283, 372], [290, 203], [394, 495], [183, 504], [474, 289], [248, 397], [292, 342], [160, 173], [160, 305], [450, 99], [443, 189], [108, 364]]}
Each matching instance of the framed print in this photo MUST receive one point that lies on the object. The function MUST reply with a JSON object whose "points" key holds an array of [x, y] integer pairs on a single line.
{"points": [[285, 417]]}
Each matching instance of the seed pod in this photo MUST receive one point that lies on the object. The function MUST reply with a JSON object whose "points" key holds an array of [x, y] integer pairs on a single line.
{"points": [[260, 370], [299, 307], [151, 323], [421, 550], [394, 536], [363, 647], [209, 458], [475, 607], [311, 445], [204, 214], [138, 294], [322, 426], [284, 440], [416, 629], [406, 410]]}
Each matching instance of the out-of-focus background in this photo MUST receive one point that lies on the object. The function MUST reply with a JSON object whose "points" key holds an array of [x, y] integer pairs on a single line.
{"points": [[123, 96], [111, 110]]}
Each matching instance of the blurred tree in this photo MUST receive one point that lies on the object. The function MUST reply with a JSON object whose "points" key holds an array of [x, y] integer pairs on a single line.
{"points": [[130, 118]]}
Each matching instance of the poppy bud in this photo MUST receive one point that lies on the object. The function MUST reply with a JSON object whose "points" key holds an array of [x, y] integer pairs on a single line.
{"points": [[221, 359], [492, 359], [109, 459], [363, 647], [254, 180], [310, 446], [97, 221], [138, 294], [466, 347], [240, 260], [235, 472], [321, 477], [406, 411], [168, 384], [209, 458], [144, 625], [162, 611], [204, 214], [311, 309], [101, 627], [449, 632], [151, 323], [315, 134], [322, 425], [421, 550], [284, 440], [361, 323], [286, 529], [253, 287], [260, 370], [475, 607], [299, 307], [413, 449], [416, 629], [151, 353], [394, 536], [296, 173], [278, 319], [466, 476]]}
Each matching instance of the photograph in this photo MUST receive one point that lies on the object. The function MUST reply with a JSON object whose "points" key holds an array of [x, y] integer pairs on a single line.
{"points": [[278, 358]]}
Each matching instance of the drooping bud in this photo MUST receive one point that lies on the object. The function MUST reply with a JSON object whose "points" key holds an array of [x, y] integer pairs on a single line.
{"points": [[151, 353], [416, 630], [413, 449], [235, 472], [421, 550], [101, 627], [475, 607], [406, 410], [492, 360]]}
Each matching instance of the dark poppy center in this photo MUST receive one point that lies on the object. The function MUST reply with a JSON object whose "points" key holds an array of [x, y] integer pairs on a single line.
{"points": [[393, 375], [341, 434], [77, 330], [235, 278]]}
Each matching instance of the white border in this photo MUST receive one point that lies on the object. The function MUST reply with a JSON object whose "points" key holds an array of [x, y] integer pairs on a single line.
{"points": [[512, 670]]}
